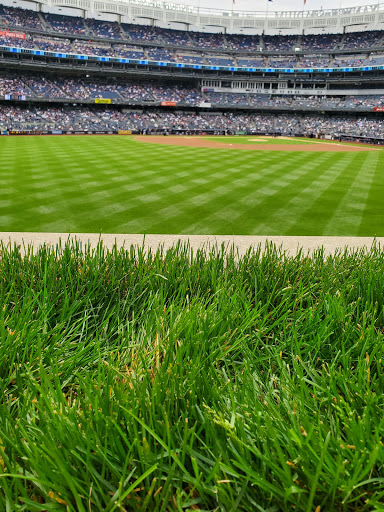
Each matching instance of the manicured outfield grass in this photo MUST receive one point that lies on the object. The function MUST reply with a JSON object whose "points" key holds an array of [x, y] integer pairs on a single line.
{"points": [[179, 383], [118, 185]]}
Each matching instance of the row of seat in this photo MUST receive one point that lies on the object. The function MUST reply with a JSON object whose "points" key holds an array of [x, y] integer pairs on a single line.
{"points": [[49, 87], [28, 19], [81, 118]]}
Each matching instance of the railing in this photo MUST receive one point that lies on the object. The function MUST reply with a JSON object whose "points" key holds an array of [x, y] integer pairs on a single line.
{"points": [[267, 14]]}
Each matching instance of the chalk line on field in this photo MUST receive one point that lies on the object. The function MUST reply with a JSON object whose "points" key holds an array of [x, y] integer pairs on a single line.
{"points": [[337, 144]]}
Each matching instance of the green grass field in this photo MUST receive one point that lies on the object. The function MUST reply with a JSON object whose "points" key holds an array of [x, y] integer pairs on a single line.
{"points": [[118, 185], [179, 383]]}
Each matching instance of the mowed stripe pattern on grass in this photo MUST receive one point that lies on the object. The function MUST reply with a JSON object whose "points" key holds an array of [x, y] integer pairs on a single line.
{"points": [[118, 185]]}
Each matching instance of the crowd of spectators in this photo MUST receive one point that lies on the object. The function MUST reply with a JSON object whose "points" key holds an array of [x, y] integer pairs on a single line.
{"points": [[142, 33], [20, 18], [43, 88], [264, 100], [162, 39], [295, 102], [54, 87], [52, 44], [128, 52], [375, 60], [192, 58], [289, 62], [356, 102], [65, 24], [313, 61], [251, 62], [13, 85], [225, 98], [104, 29], [152, 43], [321, 42], [280, 43], [351, 61], [27, 43], [359, 40], [28, 19], [160, 54], [243, 42], [176, 37], [163, 54], [214, 60], [87, 89], [333, 126], [176, 93], [72, 88], [137, 93], [212, 41], [92, 48], [91, 119]]}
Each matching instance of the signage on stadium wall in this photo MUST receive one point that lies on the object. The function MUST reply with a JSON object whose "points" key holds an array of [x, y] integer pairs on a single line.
{"points": [[15, 35], [186, 66], [168, 103], [378, 109], [23, 132], [125, 132], [15, 96], [103, 100]]}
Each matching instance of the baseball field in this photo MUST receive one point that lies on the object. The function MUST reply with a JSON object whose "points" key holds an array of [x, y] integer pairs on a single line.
{"points": [[184, 185], [188, 380]]}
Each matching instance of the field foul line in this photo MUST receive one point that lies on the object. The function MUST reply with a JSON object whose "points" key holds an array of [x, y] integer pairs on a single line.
{"points": [[299, 141], [340, 144]]}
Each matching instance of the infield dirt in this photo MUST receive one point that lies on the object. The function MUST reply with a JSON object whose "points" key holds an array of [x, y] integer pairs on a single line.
{"points": [[202, 142]]}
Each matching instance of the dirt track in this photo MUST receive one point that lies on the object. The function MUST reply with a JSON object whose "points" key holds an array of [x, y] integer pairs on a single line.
{"points": [[202, 142], [290, 244]]}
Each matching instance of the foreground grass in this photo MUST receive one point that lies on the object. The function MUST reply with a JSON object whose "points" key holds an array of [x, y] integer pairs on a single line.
{"points": [[99, 183], [188, 381]]}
